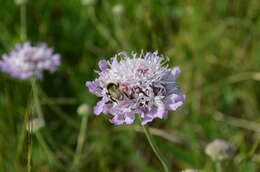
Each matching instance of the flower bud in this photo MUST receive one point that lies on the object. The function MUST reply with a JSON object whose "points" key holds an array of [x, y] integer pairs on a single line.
{"points": [[190, 170], [219, 150], [20, 2], [87, 2], [118, 9], [83, 109], [35, 124]]}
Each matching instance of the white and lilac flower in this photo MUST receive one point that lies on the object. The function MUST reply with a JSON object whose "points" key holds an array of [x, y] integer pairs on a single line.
{"points": [[220, 150], [141, 84], [27, 61]]}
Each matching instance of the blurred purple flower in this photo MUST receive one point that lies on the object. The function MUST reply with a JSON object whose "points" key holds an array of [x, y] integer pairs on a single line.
{"points": [[27, 61], [136, 83]]}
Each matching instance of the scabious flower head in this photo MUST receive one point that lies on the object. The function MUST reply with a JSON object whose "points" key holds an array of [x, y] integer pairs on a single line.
{"points": [[219, 150], [134, 83], [27, 61]]}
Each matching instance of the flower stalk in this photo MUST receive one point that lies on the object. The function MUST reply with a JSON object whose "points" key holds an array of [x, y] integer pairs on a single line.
{"points": [[36, 102], [36, 106], [81, 140], [29, 142], [218, 166], [23, 22], [155, 148], [23, 35]]}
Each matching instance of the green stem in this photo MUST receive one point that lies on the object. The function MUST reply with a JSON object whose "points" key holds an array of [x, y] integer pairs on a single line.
{"points": [[218, 166], [81, 139], [36, 101], [29, 136], [155, 148], [28, 115], [37, 109], [22, 136], [23, 22]]}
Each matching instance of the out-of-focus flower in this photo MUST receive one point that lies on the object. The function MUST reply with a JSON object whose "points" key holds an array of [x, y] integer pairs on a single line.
{"points": [[87, 2], [27, 61], [20, 2], [219, 150], [136, 84], [83, 109], [118, 9], [35, 124], [190, 170]]}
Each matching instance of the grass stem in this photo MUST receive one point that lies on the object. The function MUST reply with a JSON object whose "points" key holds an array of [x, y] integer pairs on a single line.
{"points": [[29, 142], [218, 166], [38, 110], [81, 140], [23, 22], [28, 114]]}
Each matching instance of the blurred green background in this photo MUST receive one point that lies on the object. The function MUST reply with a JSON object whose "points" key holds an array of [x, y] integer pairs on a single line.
{"points": [[216, 44]]}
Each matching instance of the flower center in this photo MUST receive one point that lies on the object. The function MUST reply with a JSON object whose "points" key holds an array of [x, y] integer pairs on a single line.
{"points": [[141, 96]]}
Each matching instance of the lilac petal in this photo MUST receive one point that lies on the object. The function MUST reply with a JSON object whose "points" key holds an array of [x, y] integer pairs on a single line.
{"points": [[159, 112], [107, 108], [114, 62], [176, 72], [118, 119], [25, 76], [2, 65], [127, 118], [174, 101], [147, 119], [18, 46], [171, 77], [103, 65], [100, 106], [56, 58], [94, 87]]}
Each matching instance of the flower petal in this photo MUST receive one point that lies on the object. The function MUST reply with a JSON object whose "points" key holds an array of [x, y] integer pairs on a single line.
{"points": [[101, 105], [103, 65], [176, 72], [95, 88], [127, 118], [174, 101]]}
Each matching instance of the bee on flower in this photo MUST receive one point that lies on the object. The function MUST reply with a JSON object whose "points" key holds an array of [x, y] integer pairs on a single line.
{"points": [[131, 84]]}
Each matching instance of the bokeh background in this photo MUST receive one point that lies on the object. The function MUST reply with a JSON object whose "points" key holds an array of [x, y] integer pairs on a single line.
{"points": [[216, 44]]}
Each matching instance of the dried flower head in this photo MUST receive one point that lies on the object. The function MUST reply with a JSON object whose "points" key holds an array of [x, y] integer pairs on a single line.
{"points": [[35, 124], [20, 2], [118, 9], [83, 109], [190, 170], [88, 2], [219, 150], [27, 61], [134, 83]]}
